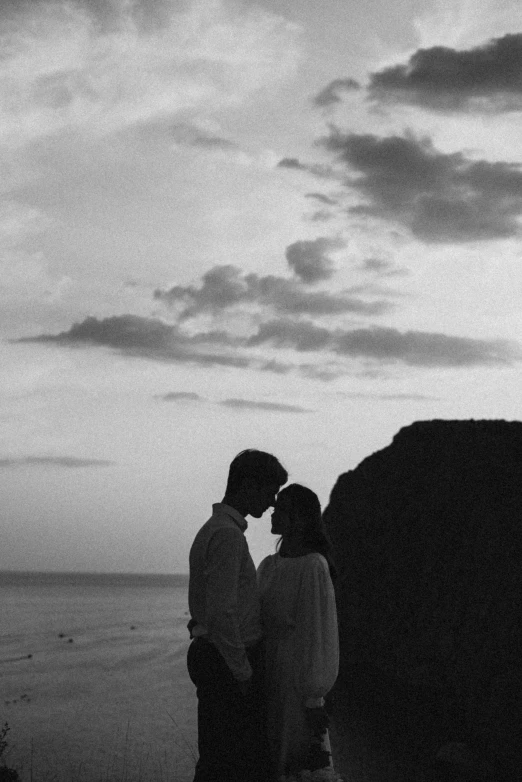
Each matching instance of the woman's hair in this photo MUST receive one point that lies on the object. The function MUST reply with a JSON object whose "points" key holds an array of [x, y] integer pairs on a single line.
{"points": [[303, 504], [259, 466]]}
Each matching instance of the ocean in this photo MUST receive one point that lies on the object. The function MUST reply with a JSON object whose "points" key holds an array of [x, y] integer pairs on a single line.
{"points": [[93, 679]]}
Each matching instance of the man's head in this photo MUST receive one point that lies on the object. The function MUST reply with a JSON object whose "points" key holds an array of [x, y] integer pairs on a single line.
{"points": [[254, 479]]}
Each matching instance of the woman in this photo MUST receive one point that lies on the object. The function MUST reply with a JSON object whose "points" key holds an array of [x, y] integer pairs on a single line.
{"points": [[300, 625]]}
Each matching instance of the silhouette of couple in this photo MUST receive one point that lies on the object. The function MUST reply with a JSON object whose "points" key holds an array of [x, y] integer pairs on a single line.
{"points": [[264, 648]]}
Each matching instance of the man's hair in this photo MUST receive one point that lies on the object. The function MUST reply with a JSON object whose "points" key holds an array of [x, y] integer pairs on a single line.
{"points": [[263, 468]]}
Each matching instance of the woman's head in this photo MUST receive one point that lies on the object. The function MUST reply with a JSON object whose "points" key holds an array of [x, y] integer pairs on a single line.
{"points": [[297, 518], [297, 513]]}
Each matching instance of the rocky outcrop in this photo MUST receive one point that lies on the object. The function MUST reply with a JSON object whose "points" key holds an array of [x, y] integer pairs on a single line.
{"points": [[428, 542]]}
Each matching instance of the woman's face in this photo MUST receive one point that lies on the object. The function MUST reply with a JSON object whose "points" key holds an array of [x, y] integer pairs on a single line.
{"points": [[284, 521], [281, 522]]}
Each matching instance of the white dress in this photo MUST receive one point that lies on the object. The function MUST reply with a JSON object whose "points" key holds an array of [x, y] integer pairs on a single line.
{"points": [[302, 652]]}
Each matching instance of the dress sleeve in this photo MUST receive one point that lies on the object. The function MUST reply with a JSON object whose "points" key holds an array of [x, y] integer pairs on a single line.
{"points": [[316, 632]]}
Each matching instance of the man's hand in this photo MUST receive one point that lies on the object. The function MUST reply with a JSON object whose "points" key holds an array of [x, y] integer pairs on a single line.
{"points": [[245, 686]]}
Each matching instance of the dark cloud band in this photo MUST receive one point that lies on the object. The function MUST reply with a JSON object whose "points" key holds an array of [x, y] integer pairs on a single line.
{"points": [[227, 287], [150, 338], [331, 94], [439, 197], [155, 340], [274, 407], [310, 261], [388, 345], [487, 78], [179, 396], [67, 462]]}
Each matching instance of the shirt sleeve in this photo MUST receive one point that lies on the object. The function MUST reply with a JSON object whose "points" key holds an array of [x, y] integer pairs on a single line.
{"points": [[316, 633], [224, 555]]}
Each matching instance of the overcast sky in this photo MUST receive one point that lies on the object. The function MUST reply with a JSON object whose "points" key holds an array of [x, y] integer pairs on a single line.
{"points": [[282, 224]]}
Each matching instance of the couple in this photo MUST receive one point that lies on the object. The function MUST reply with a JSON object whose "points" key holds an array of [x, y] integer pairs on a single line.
{"points": [[265, 648]]}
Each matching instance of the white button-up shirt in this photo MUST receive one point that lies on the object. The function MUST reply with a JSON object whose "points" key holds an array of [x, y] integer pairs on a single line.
{"points": [[223, 595]]}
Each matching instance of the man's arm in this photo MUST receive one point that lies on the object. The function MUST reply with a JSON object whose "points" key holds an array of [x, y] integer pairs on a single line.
{"points": [[224, 555]]}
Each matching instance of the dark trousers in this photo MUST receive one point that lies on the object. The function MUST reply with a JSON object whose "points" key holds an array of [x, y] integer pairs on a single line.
{"points": [[231, 726]]}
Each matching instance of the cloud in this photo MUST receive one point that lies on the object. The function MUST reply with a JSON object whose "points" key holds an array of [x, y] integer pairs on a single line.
{"points": [[326, 371], [322, 198], [297, 334], [377, 265], [309, 260], [484, 78], [418, 348], [237, 404], [382, 268], [191, 135], [179, 396], [275, 366], [318, 170], [388, 345], [291, 162], [319, 216], [152, 338], [227, 287], [331, 93], [389, 397], [68, 462], [73, 67], [245, 404], [439, 197]]}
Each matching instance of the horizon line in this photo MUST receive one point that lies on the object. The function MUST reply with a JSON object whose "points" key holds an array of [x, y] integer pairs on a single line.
{"points": [[91, 572]]}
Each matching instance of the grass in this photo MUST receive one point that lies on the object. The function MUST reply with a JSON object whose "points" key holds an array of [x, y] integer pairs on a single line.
{"points": [[6, 774], [135, 763], [186, 743]]}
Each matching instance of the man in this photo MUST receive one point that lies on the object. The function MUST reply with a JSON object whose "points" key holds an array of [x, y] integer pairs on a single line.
{"points": [[224, 657]]}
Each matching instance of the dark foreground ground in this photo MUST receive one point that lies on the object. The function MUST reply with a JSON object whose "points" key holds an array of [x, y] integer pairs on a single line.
{"points": [[381, 732]]}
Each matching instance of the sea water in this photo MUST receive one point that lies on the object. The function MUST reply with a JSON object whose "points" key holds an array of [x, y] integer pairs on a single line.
{"points": [[93, 679]]}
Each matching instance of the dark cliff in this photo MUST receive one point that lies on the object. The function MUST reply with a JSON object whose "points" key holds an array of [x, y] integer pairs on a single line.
{"points": [[428, 542]]}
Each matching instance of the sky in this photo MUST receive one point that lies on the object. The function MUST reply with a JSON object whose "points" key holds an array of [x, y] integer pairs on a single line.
{"points": [[227, 224]]}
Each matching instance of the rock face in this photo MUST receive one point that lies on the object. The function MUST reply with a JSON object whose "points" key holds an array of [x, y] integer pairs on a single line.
{"points": [[428, 542]]}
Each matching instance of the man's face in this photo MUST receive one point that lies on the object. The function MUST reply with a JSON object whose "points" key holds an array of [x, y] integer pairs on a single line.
{"points": [[262, 498]]}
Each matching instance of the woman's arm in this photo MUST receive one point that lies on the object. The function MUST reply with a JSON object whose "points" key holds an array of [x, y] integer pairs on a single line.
{"points": [[317, 640]]}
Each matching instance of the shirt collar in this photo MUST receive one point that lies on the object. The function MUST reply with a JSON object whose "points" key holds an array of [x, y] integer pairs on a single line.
{"points": [[220, 507]]}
